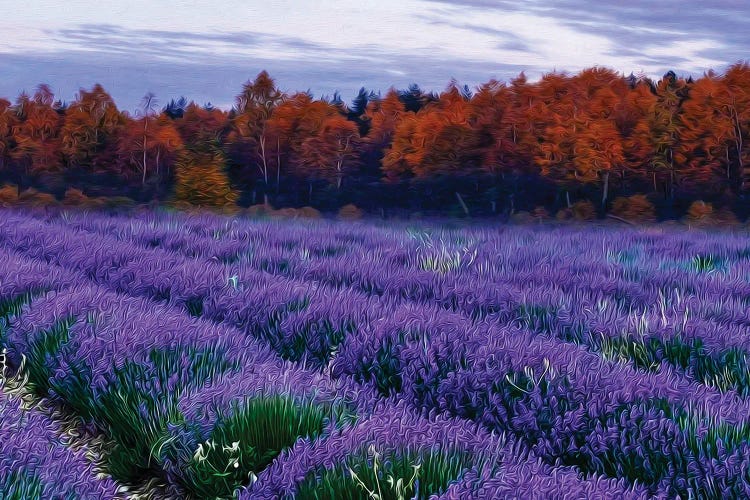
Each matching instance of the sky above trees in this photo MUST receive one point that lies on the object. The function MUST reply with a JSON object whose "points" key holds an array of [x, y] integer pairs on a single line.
{"points": [[206, 49]]}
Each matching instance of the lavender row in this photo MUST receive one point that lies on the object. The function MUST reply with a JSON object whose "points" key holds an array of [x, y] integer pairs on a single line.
{"points": [[579, 331], [243, 299], [22, 278], [568, 405], [320, 335], [149, 377], [472, 462], [367, 276], [397, 346], [34, 464]]}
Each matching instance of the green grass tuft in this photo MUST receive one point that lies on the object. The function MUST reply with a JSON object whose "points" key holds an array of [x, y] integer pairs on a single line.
{"points": [[400, 475], [141, 401], [536, 317], [248, 437], [707, 264], [726, 370]]}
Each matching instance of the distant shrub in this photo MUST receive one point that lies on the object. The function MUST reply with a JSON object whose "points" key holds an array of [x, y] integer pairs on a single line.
{"points": [[540, 214], [74, 197], [309, 213], [286, 213], [350, 212], [96, 203], [27, 194], [636, 208], [700, 212], [584, 210], [564, 214], [33, 198], [259, 210], [522, 218], [8, 195], [726, 217], [181, 205], [119, 202], [230, 210]]}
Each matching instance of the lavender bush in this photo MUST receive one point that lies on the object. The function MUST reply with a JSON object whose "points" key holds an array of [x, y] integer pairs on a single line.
{"points": [[34, 464]]}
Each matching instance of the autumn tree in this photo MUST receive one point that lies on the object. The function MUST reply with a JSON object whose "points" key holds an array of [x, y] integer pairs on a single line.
{"points": [[664, 125], [201, 125], [635, 128], [90, 129], [706, 136], [553, 117], [36, 133], [598, 151], [382, 117], [439, 140], [147, 116], [8, 122], [254, 106], [201, 179], [331, 153], [307, 124], [735, 103], [148, 150]]}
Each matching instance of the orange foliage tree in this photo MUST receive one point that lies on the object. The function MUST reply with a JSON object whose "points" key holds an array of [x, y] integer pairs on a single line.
{"points": [[331, 153], [91, 127], [438, 140], [36, 133]]}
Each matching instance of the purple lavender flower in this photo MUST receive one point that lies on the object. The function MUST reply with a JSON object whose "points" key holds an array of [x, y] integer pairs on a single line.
{"points": [[32, 458]]}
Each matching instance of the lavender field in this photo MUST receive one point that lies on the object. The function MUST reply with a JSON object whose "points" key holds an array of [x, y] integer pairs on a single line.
{"points": [[218, 356]]}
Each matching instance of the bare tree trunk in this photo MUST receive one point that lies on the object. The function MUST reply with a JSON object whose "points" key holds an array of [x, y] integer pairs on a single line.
{"points": [[145, 129], [262, 143], [278, 166], [605, 191], [339, 174], [726, 150], [739, 144], [463, 205], [671, 175]]}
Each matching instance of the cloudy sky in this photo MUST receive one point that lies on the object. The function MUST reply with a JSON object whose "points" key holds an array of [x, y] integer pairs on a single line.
{"points": [[205, 50]]}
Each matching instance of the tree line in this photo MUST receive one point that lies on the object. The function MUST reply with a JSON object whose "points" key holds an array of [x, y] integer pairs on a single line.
{"points": [[500, 148]]}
